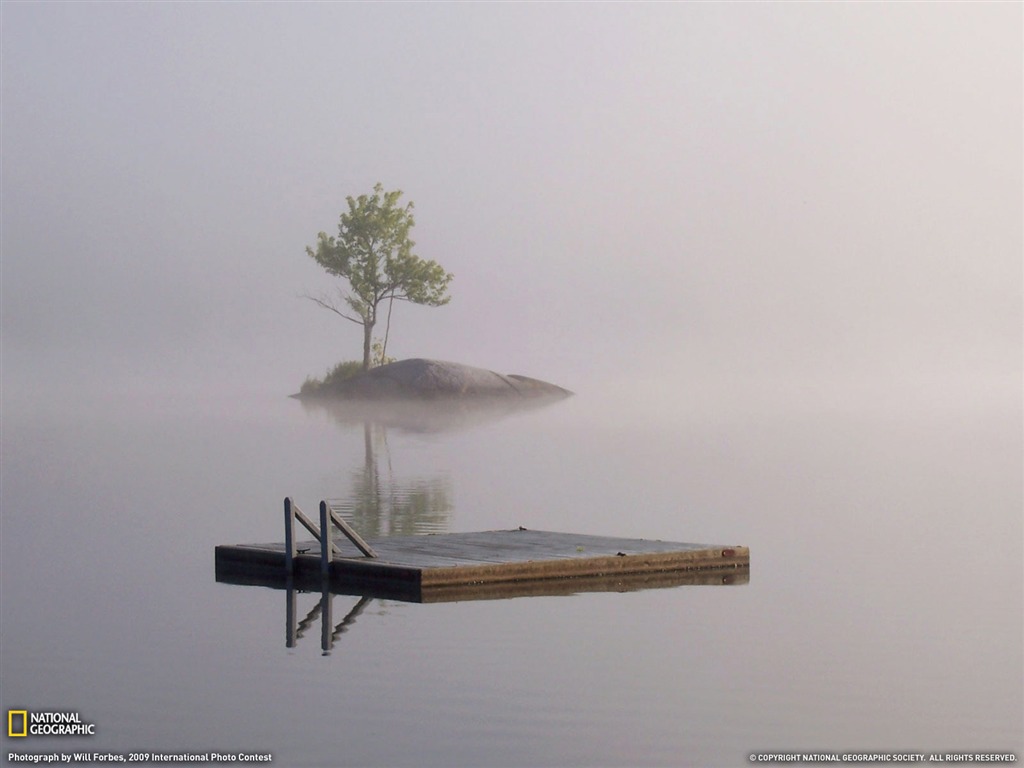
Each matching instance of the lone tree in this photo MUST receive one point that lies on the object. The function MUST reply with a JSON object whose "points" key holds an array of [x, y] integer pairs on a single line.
{"points": [[373, 253]]}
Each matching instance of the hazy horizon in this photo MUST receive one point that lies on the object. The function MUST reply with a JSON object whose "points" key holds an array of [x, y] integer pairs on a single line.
{"points": [[757, 198]]}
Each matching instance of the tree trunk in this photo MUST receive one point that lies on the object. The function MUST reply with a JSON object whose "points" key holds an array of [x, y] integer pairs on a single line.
{"points": [[387, 332], [367, 334]]}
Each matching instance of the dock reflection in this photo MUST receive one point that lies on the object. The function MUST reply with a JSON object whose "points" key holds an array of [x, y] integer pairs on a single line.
{"points": [[330, 631], [324, 610]]}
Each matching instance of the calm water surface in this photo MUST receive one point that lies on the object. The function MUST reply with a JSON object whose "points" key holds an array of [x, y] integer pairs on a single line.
{"points": [[883, 610]]}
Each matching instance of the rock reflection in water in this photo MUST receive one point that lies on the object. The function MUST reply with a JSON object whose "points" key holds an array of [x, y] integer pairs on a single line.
{"points": [[425, 415]]}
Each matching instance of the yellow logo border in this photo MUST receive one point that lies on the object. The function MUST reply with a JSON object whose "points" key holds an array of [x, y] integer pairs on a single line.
{"points": [[10, 722]]}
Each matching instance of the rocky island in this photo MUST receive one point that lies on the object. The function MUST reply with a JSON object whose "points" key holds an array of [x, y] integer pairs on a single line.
{"points": [[422, 379]]}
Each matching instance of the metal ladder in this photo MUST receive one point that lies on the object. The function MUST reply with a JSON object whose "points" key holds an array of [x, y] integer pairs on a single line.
{"points": [[329, 520]]}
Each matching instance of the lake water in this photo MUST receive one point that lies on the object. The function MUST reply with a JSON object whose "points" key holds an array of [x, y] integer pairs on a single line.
{"points": [[883, 610]]}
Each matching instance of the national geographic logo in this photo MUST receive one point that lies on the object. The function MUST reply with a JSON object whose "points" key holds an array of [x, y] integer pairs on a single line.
{"points": [[17, 722], [21, 722]]}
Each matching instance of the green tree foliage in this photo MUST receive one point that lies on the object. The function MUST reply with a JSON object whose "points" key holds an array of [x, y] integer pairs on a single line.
{"points": [[373, 253]]}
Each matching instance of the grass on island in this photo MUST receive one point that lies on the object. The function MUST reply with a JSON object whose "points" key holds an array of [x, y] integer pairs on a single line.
{"points": [[339, 373], [343, 371]]}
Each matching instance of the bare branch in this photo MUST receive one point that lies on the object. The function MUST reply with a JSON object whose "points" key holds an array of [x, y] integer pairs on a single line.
{"points": [[328, 305]]}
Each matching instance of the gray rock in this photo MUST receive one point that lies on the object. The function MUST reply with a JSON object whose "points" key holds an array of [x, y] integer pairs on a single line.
{"points": [[434, 379]]}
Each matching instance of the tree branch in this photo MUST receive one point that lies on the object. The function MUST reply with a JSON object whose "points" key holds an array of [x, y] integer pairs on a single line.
{"points": [[328, 305]]}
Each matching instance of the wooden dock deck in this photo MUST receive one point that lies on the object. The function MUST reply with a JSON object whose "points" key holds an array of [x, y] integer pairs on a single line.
{"points": [[487, 564]]}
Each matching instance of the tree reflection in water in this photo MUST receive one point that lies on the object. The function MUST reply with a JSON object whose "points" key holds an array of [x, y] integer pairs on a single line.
{"points": [[379, 504]]}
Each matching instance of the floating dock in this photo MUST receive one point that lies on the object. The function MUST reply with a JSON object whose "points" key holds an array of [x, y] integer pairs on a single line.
{"points": [[466, 565]]}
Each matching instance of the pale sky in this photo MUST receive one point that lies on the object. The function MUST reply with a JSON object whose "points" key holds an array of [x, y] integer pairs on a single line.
{"points": [[766, 194]]}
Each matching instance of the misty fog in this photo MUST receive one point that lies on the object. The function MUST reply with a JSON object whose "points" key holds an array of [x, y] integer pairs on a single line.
{"points": [[809, 204], [775, 250]]}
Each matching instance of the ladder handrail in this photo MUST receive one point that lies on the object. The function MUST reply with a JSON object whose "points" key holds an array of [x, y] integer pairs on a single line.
{"points": [[306, 522], [349, 532], [329, 520]]}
